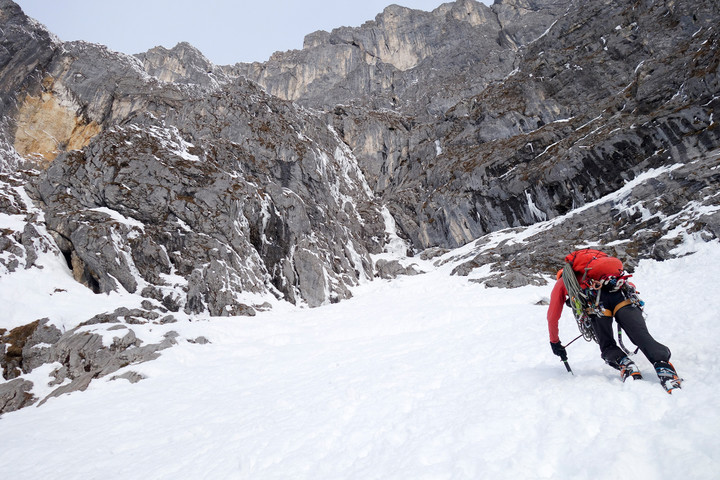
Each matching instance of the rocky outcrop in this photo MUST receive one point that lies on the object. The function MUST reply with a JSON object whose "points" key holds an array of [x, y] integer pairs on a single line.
{"points": [[18, 354], [25, 49], [195, 189], [601, 98], [609, 91], [81, 354], [650, 217], [15, 395], [182, 64], [23, 234], [47, 125], [409, 60], [263, 199], [489, 117], [57, 96]]}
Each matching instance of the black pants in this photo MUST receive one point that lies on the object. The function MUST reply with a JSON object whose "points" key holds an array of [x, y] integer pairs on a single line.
{"points": [[631, 320]]}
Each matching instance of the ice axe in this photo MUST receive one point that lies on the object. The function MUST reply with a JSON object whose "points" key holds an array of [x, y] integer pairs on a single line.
{"points": [[564, 357], [560, 351]]}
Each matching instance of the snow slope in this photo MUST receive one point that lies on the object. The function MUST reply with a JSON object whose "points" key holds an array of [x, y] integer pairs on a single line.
{"points": [[425, 377]]}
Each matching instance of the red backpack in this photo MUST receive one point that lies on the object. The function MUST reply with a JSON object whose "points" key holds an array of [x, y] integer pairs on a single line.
{"points": [[590, 264]]}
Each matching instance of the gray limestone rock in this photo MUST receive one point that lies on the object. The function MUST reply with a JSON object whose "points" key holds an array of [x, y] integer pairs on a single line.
{"points": [[556, 134], [243, 202], [15, 395], [642, 222], [388, 269], [199, 186], [199, 340], [26, 347], [83, 355], [25, 49], [182, 64], [414, 61], [132, 377]]}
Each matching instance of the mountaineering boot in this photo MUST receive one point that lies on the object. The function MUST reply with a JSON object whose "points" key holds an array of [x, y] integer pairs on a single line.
{"points": [[668, 376], [628, 369]]}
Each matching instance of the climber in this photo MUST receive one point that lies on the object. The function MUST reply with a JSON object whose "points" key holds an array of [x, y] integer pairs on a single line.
{"points": [[600, 285]]}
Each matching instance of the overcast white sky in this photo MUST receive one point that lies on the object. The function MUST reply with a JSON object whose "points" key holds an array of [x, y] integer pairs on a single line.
{"points": [[226, 31]]}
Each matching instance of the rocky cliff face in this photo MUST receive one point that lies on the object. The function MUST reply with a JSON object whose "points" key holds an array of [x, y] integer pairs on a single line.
{"points": [[501, 116], [209, 190], [418, 62], [600, 98], [173, 172], [215, 209]]}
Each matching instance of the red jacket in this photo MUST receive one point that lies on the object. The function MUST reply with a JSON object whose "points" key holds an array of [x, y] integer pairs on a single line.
{"points": [[557, 301]]}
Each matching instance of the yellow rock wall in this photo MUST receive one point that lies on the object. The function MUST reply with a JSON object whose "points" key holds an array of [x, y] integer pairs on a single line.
{"points": [[48, 125]]}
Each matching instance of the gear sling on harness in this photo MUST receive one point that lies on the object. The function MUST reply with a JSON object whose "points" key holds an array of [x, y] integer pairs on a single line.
{"points": [[583, 307]]}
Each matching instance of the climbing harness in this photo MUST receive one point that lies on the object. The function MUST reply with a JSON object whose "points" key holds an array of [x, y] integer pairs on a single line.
{"points": [[586, 302]]}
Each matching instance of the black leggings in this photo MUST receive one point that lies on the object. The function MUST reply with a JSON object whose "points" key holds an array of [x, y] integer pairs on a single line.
{"points": [[631, 320]]}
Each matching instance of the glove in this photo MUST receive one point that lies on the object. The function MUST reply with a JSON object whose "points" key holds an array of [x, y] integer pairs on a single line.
{"points": [[559, 350]]}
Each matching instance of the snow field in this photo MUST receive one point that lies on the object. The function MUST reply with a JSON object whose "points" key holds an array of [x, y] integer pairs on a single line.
{"points": [[425, 377]]}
